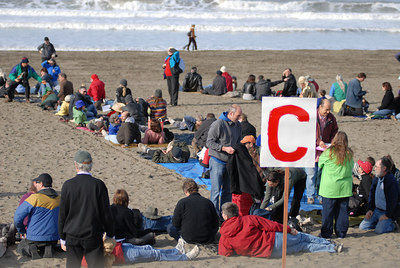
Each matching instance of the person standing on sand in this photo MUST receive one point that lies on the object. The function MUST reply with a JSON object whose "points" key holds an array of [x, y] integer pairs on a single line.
{"points": [[224, 133], [171, 72], [47, 50], [84, 215]]}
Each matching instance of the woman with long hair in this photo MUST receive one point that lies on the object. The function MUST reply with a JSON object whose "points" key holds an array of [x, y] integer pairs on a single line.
{"points": [[249, 88], [154, 134], [336, 186], [338, 89], [387, 104]]}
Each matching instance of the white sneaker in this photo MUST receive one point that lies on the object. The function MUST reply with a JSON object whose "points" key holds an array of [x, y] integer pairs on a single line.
{"points": [[181, 245], [339, 247], [193, 253]]}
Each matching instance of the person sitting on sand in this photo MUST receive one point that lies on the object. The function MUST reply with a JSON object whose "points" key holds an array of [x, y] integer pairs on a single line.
{"points": [[387, 105], [40, 88], [158, 106], [64, 108], [42, 209], [97, 125], [66, 87], [355, 95], [218, 86], [383, 206], [96, 91], [358, 203], [228, 79], [249, 89], [192, 81], [195, 219], [123, 91], [200, 136], [113, 128], [176, 152], [154, 134], [321, 96], [290, 87], [79, 114], [53, 70], [338, 89], [127, 223], [91, 111], [136, 109], [256, 236], [129, 131], [306, 90], [188, 123], [396, 103], [263, 87]]}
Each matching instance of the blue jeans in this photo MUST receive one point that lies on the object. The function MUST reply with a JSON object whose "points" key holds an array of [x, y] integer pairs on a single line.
{"points": [[301, 242], [334, 208], [134, 253], [160, 224], [383, 112], [385, 226], [173, 231], [312, 174], [91, 112], [220, 184]]}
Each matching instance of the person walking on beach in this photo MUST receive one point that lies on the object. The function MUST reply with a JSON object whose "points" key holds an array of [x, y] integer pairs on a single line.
{"points": [[192, 39], [47, 50], [171, 72], [84, 215], [224, 133], [20, 75]]}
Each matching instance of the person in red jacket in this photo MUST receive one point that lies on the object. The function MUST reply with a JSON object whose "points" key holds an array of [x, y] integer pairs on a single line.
{"points": [[228, 78], [97, 91], [255, 236]]}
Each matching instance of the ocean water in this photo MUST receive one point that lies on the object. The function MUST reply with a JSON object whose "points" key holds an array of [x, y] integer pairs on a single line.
{"points": [[154, 25]]}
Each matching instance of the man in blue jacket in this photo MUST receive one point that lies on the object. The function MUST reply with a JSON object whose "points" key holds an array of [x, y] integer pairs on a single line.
{"points": [[42, 209], [354, 95], [383, 206]]}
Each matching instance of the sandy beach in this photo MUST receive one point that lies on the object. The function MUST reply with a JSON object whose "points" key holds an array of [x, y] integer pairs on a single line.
{"points": [[34, 141]]}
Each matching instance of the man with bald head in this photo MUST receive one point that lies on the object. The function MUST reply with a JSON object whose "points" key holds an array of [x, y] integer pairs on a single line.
{"points": [[224, 133], [326, 129]]}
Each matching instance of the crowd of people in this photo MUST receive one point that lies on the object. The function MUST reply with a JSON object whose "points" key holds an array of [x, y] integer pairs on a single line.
{"points": [[244, 213]]}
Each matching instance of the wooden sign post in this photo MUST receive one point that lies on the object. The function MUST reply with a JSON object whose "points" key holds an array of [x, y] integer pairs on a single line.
{"points": [[288, 130]]}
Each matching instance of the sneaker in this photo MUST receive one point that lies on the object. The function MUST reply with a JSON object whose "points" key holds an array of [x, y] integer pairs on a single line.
{"points": [[193, 253], [310, 200], [181, 246], [142, 147], [339, 247]]}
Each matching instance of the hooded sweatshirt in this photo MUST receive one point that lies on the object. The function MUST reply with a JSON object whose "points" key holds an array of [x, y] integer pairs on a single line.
{"points": [[96, 89]]}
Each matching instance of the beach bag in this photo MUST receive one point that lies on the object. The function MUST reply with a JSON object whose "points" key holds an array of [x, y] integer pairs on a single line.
{"points": [[178, 68]]}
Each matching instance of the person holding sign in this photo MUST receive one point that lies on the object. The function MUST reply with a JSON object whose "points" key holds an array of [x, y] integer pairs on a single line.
{"points": [[336, 186]]}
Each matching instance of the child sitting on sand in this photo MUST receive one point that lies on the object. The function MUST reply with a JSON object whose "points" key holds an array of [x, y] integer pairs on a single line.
{"points": [[358, 203], [64, 109], [79, 114]]}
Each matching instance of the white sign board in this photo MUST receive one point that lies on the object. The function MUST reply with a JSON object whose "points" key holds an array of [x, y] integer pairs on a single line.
{"points": [[288, 129]]}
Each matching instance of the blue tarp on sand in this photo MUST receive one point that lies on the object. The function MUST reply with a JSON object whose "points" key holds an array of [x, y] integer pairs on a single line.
{"points": [[193, 170]]}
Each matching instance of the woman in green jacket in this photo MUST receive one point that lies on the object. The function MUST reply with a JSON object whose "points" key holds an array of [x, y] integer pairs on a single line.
{"points": [[336, 186]]}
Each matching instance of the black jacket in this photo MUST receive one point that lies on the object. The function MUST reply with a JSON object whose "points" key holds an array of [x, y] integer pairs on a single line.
{"points": [[248, 129], [85, 210], [396, 104], [387, 101], [290, 87], [48, 50], [118, 94], [136, 111], [201, 134], [196, 218], [249, 88], [192, 82], [126, 222], [243, 174], [263, 88]]}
